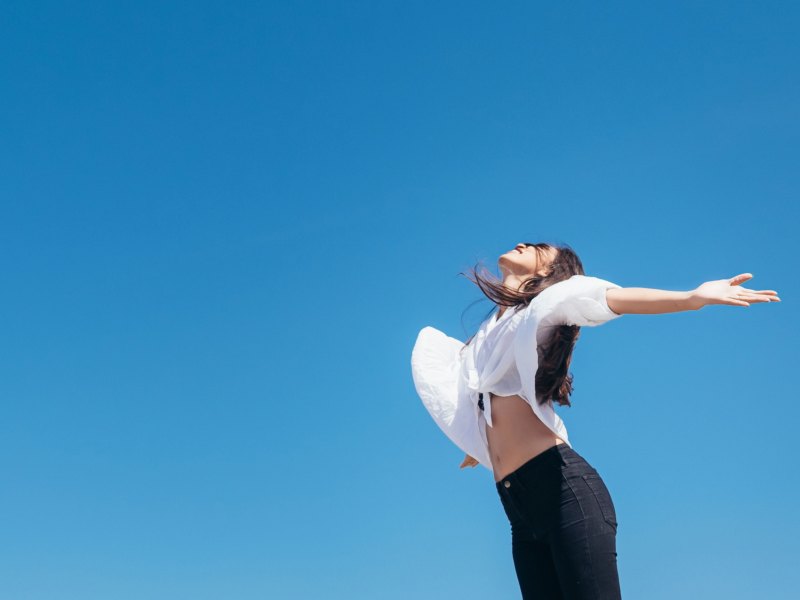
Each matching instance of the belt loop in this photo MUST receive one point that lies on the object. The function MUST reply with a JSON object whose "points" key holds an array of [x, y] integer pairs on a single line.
{"points": [[562, 458]]}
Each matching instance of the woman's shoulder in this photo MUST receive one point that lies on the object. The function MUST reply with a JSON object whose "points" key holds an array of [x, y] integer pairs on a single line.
{"points": [[552, 294], [575, 285], [579, 300]]}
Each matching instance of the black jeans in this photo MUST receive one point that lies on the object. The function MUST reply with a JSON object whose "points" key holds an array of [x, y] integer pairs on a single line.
{"points": [[563, 528]]}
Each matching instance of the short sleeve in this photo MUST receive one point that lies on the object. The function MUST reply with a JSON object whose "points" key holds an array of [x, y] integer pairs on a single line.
{"points": [[582, 301]]}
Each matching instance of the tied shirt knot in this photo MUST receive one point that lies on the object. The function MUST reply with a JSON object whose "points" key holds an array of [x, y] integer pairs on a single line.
{"points": [[474, 385], [487, 413]]}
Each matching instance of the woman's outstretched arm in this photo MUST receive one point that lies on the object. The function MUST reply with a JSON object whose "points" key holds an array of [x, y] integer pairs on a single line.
{"points": [[650, 301]]}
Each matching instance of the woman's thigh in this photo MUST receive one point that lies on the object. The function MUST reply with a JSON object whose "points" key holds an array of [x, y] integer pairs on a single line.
{"points": [[583, 541], [536, 571]]}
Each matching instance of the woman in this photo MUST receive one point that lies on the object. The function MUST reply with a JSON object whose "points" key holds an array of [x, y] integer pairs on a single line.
{"points": [[493, 397]]}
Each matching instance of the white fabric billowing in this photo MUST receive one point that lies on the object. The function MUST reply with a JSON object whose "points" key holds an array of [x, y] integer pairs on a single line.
{"points": [[500, 359], [436, 366]]}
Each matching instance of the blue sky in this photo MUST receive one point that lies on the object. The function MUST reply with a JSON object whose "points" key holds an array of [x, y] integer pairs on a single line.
{"points": [[224, 225]]}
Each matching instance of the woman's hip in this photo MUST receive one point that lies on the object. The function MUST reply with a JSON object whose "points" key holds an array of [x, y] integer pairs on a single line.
{"points": [[556, 489]]}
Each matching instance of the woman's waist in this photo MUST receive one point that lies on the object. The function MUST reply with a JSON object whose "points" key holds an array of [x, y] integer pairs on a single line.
{"points": [[517, 434], [509, 455]]}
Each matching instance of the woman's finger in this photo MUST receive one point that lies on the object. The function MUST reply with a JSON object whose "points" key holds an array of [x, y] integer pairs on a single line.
{"points": [[734, 302], [759, 291], [768, 294], [740, 278], [756, 297]]}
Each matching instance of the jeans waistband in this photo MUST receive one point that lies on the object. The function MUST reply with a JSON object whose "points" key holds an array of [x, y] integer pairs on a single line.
{"points": [[559, 454]]}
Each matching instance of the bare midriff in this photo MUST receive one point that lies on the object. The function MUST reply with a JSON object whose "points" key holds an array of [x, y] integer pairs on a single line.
{"points": [[516, 435]]}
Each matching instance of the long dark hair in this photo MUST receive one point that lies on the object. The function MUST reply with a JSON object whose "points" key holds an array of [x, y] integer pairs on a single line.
{"points": [[553, 380]]}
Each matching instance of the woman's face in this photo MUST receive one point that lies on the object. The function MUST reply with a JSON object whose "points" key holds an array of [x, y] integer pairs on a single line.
{"points": [[525, 260]]}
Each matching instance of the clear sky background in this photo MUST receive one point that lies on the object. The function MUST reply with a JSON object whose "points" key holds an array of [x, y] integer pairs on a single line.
{"points": [[224, 224]]}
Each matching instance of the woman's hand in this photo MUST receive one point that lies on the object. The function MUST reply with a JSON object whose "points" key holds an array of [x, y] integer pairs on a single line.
{"points": [[729, 291], [468, 462]]}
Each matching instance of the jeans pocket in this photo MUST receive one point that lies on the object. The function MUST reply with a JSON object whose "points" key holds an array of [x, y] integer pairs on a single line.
{"points": [[603, 497]]}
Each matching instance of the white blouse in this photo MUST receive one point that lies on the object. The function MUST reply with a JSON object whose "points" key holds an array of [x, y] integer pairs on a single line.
{"points": [[501, 359]]}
